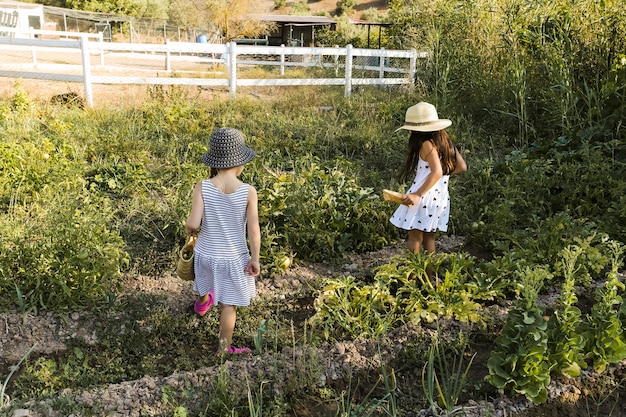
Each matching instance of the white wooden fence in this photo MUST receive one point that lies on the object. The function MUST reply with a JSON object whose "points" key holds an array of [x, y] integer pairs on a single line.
{"points": [[21, 58]]}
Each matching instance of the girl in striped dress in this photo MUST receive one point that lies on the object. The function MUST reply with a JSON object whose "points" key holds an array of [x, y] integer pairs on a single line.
{"points": [[223, 210]]}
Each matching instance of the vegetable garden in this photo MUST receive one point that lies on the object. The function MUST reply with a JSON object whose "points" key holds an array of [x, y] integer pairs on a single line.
{"points": [[91, 198]]}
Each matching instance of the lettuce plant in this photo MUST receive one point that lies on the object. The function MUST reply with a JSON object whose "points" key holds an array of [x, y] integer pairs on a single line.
{"points": [[520, 361], [565, 339], [606, 340]]}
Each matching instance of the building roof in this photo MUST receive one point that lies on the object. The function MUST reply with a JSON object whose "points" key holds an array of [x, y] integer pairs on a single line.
{"points": [[368, 23], [295, 20], [92, 16]]}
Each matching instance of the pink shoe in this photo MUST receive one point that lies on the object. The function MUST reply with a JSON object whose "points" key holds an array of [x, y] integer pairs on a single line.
{"points": [[236, 350], [201, 309]]}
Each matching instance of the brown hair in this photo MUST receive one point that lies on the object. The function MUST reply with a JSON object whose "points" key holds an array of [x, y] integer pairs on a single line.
{"points": [[440, 140]]}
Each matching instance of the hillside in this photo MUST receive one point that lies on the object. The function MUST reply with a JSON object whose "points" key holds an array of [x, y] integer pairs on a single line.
{"points": [[322, 6]]}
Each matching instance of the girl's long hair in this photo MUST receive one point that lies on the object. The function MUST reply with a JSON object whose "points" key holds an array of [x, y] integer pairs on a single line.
{"points": [[443, 144]]}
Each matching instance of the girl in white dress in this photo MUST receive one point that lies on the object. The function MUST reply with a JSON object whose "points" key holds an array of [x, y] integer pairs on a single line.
{"points": [[223, 209], [431, 157]]}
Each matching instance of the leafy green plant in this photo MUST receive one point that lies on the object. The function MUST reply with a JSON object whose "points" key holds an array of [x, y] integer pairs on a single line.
{"points": [[444, 377], [66, 259], [353, 220], [606, 341], [402, 291], [412, 278], [566, 340], [520, 361], [347, 308], [543, 244], [258, 337]]}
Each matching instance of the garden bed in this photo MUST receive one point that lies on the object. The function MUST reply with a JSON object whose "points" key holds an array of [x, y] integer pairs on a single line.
{"points": [[350, 366]]}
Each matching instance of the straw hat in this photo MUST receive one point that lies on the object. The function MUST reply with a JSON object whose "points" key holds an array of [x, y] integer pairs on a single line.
{"points": [[423, 118], [227, 149]]}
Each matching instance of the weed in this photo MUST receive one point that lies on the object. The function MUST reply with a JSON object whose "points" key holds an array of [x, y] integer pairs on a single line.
{"points": [[444, 378], [4, 398]]}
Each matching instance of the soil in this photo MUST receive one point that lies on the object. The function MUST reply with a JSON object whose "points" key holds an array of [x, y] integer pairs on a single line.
{"points": [[573, 397]]}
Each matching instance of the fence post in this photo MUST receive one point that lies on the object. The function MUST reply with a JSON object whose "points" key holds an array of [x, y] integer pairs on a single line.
{"points": [[381, 71], [100, 42], [348, 89], [168, 64], [413, 66], [34, 48], [232, 66], [336, 61], [84, 48], [282, 59]]}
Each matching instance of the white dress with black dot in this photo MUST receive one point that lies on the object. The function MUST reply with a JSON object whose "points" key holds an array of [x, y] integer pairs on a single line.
{"points": [[432, 212]]}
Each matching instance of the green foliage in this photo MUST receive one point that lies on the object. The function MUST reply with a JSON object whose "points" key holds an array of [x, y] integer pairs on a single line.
{"points": [[258, 337], [566, 341], [66, 258], [135, 8], [292, 203], [347, 308], [4, 398], [429, 287], [606, 341], [533, 71], [344, 7], [444, 375], [520, 361], [543, 244], [401, 292]]}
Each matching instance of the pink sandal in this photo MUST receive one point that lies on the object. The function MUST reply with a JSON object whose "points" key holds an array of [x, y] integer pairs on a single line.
{"points": [[201, 309], [236, 350]]}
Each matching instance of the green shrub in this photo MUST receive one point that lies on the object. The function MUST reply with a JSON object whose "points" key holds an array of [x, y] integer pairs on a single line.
{"points": [[64, 258], [320, 212]]}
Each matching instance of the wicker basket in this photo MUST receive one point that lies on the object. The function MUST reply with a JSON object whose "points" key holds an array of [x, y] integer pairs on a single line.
{"points": [[184, 269]]}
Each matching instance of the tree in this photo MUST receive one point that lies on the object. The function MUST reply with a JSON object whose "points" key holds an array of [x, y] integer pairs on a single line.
{"points": [[123, 7], [233, 18]]}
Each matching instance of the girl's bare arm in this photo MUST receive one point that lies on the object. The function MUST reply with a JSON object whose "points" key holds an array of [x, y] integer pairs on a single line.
{"points": [[254, 232], [197, 208], [461, 166]]}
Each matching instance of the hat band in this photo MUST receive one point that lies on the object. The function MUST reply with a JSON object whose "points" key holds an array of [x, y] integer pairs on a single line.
{"points": [[421, 123]]}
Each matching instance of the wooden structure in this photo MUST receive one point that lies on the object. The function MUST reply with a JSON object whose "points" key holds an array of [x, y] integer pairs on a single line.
{"points": [[369, 25], [295, 30]]}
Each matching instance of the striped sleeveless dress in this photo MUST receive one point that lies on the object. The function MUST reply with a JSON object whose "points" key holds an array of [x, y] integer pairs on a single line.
{"points": [[221, 251]]}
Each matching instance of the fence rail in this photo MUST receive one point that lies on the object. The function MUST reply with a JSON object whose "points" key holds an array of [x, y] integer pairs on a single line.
{"points": [[25, 58]]}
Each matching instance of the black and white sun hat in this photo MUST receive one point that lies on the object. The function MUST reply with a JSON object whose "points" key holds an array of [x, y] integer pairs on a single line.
{"points": [[227, 149]]}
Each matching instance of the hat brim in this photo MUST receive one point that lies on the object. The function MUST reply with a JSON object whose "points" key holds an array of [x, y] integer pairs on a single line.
{"points": [[211, 160], [429, 127]]}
